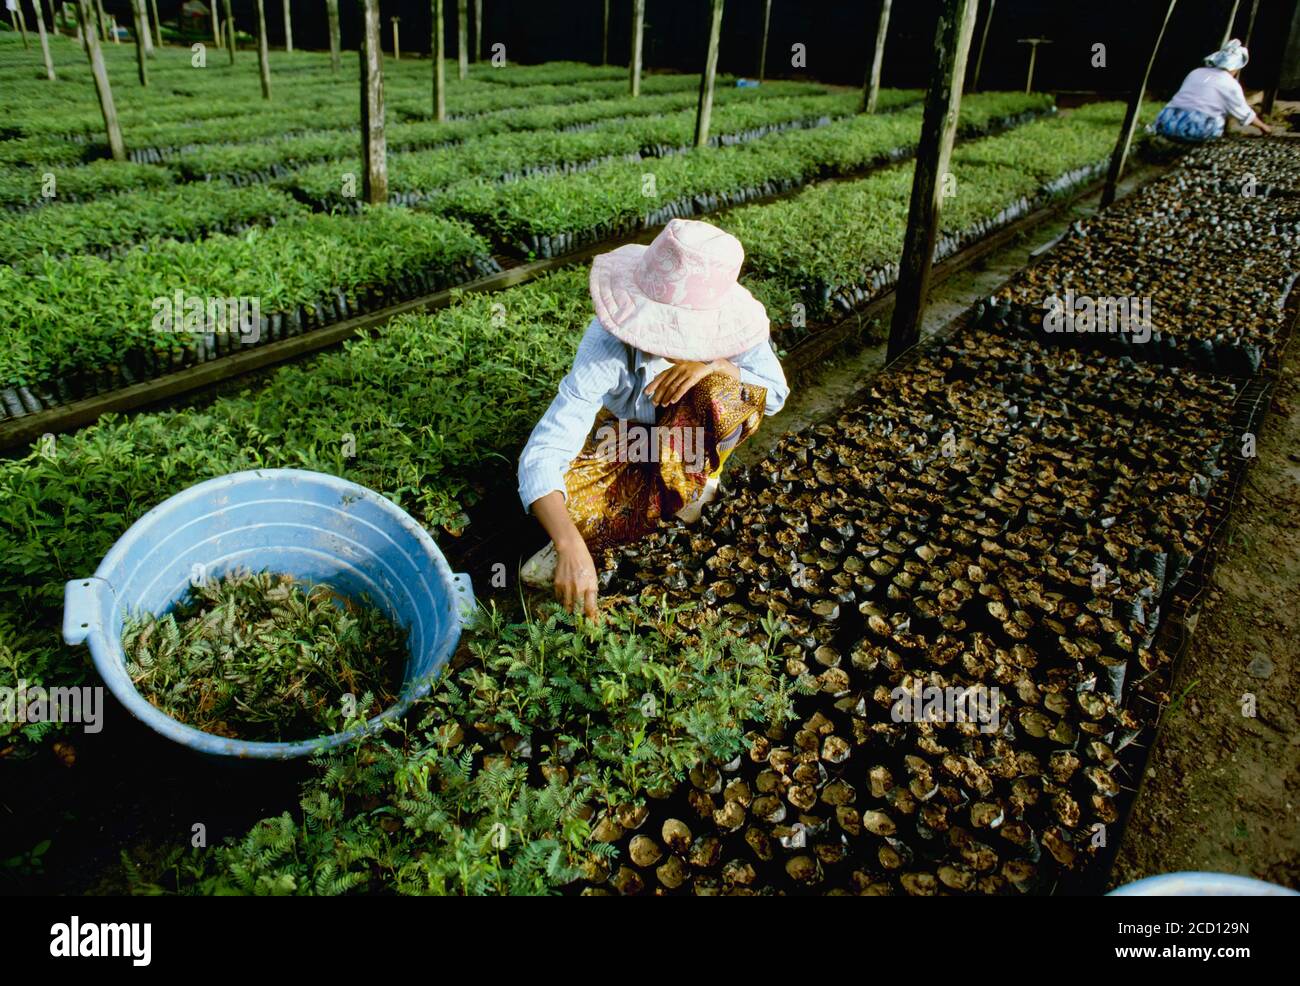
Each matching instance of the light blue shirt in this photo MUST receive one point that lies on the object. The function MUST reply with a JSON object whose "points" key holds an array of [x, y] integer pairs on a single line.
{"points": [[609, 373]]}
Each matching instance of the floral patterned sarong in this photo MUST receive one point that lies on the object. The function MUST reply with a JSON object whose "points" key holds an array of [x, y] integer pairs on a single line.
{"points": [[629, 475], [1188, 125]]}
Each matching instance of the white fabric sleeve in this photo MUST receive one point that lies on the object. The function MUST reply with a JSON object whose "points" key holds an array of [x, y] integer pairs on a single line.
{"points": [[560, 435], [759, 366], [1234, 101]]}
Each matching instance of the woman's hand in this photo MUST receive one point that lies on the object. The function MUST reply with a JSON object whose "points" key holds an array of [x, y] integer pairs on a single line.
{"points": [[1264, 128], [676, 381], [575, 572], [575, 577]]}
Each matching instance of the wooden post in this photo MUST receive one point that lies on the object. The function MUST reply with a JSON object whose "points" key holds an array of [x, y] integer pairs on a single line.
{"points": [[216, 24], [1033, 58], [397, 41], [1250, 24], [141, 30], [437, 45], [230, 28], [1120, 154], [332, 10], [263, 50], [952, 39], [1232, 19], [101, 21], [479, 50], [705, 110], [374, 150], [45, 42], [984, 40], [144, 35], [1287, 75], [21, 18], [462, 39], [762, 49], [288, 27], [871, 89], [1268, 102], [1250, 34], [604, 37], [96, 55], [634, 62], [157, 25], [112, 29]]}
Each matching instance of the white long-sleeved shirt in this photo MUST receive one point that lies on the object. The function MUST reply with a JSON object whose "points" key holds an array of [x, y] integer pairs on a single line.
{"points": [[1214, 92], [608, 372]]}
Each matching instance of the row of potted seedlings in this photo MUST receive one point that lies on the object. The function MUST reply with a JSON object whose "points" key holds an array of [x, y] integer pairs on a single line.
{"points": [[968, 678], [1128, 281]]}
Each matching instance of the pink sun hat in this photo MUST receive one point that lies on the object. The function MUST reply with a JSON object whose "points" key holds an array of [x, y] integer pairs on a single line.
{"points": [[678, 297]]}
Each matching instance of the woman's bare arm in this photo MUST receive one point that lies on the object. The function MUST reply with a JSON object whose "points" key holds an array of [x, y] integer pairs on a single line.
{"points": [[575, 572]]}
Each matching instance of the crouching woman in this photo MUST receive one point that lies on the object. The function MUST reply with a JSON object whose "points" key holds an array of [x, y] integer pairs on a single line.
{"points": [[1207, 97], [672, 374]]}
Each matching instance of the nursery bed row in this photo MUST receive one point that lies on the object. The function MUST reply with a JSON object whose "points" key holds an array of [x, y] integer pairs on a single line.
{"points": [[275, 159], [421, 175], [946, 534], [551, 216], [270, 153], [116, 222], [1135, 278], [83, 325], [176, 143], [835, 246], [402, 106], [35, 403], [1180, 617]]}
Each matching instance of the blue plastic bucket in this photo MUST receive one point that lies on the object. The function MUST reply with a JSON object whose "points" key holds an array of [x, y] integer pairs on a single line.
{"points": [[314, 527], [1188, 884]]}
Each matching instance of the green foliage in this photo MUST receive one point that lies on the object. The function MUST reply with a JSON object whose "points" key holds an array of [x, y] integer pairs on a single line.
{"points": [[434, 403], [26, 864], [181, 212], [197, 160], [256, 656], [513, 154], [84, 312], [839, 235], [458, 803], [615, 197], [24, 186], [222, 104]]}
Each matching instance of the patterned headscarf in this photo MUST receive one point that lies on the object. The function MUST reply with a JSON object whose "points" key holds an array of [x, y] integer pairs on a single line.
{"points": [[1232, 56]]}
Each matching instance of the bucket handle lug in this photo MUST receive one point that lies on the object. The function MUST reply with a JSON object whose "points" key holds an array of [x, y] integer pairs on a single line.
{"points": [[86, 604]]}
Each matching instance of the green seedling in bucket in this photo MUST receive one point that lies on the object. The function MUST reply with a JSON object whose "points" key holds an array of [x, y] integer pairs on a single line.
{"points": [[262, 657]]}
